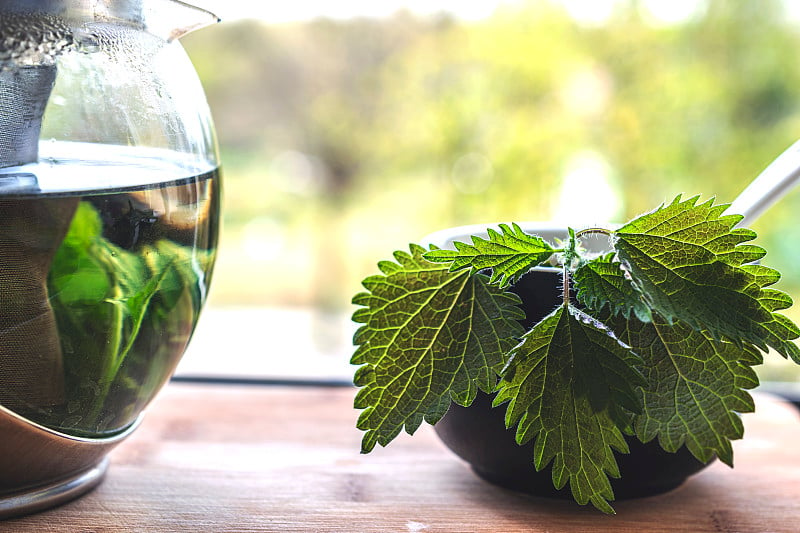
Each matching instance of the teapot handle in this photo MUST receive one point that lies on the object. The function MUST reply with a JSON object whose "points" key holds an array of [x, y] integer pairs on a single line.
{"points": [[768, 187]]}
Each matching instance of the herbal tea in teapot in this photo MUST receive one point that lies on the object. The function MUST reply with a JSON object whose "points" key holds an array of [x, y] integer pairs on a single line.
{"points": [[102, 287]]}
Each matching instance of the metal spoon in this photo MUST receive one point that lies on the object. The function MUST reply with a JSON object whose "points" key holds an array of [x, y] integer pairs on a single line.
{"points": [[768, 187]]}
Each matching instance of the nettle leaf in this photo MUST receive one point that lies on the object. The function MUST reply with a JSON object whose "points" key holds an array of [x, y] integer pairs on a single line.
{"points": [[510, 254], [566, 384], [696, 387], [185, 268], [689, 263], [702, 225], [601, 283], [76, 277], [429, 336]]}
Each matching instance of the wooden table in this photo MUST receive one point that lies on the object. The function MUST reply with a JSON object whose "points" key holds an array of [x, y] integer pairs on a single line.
{"points": [[264, 458]]}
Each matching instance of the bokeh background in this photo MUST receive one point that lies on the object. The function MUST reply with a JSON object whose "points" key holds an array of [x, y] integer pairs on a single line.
{"points": [[349, 130]]}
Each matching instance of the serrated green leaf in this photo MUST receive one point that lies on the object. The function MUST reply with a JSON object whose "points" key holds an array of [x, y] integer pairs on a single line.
{"points": [[696, 387], [510, 254], [429, 335], [601, 283], [688, 262], [702, 225], [565, 384]]}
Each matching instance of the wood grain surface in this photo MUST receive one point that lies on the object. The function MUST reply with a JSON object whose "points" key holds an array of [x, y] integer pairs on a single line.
{"points": [[222, 458]]}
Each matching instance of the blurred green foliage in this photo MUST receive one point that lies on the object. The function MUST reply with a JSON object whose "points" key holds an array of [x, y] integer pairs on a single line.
{"points": [[345, 140]]}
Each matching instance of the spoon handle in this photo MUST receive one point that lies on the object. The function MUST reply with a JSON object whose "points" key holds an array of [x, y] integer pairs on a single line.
{"points": [[769, 186]]}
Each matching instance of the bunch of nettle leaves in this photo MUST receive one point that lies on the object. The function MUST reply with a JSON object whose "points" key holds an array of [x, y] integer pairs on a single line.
{"points": [[660, 343]]}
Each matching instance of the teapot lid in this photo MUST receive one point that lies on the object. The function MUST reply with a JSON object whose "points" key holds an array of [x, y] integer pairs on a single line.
{"points": [[33, 33], [169, 19]]}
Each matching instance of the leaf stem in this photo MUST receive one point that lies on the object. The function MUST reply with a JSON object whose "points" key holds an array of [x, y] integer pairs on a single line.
{"points": [[110, 358], [569, 257]]}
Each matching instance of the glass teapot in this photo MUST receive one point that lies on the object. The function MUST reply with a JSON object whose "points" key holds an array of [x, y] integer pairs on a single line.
{"points": [[109, 208]]}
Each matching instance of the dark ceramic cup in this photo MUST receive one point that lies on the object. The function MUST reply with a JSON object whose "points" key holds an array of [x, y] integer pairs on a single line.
{"points": [[477, 434]]}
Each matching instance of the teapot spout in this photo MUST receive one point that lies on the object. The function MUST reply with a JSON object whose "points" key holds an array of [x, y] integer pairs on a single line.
{"points": [[172, 19]]}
